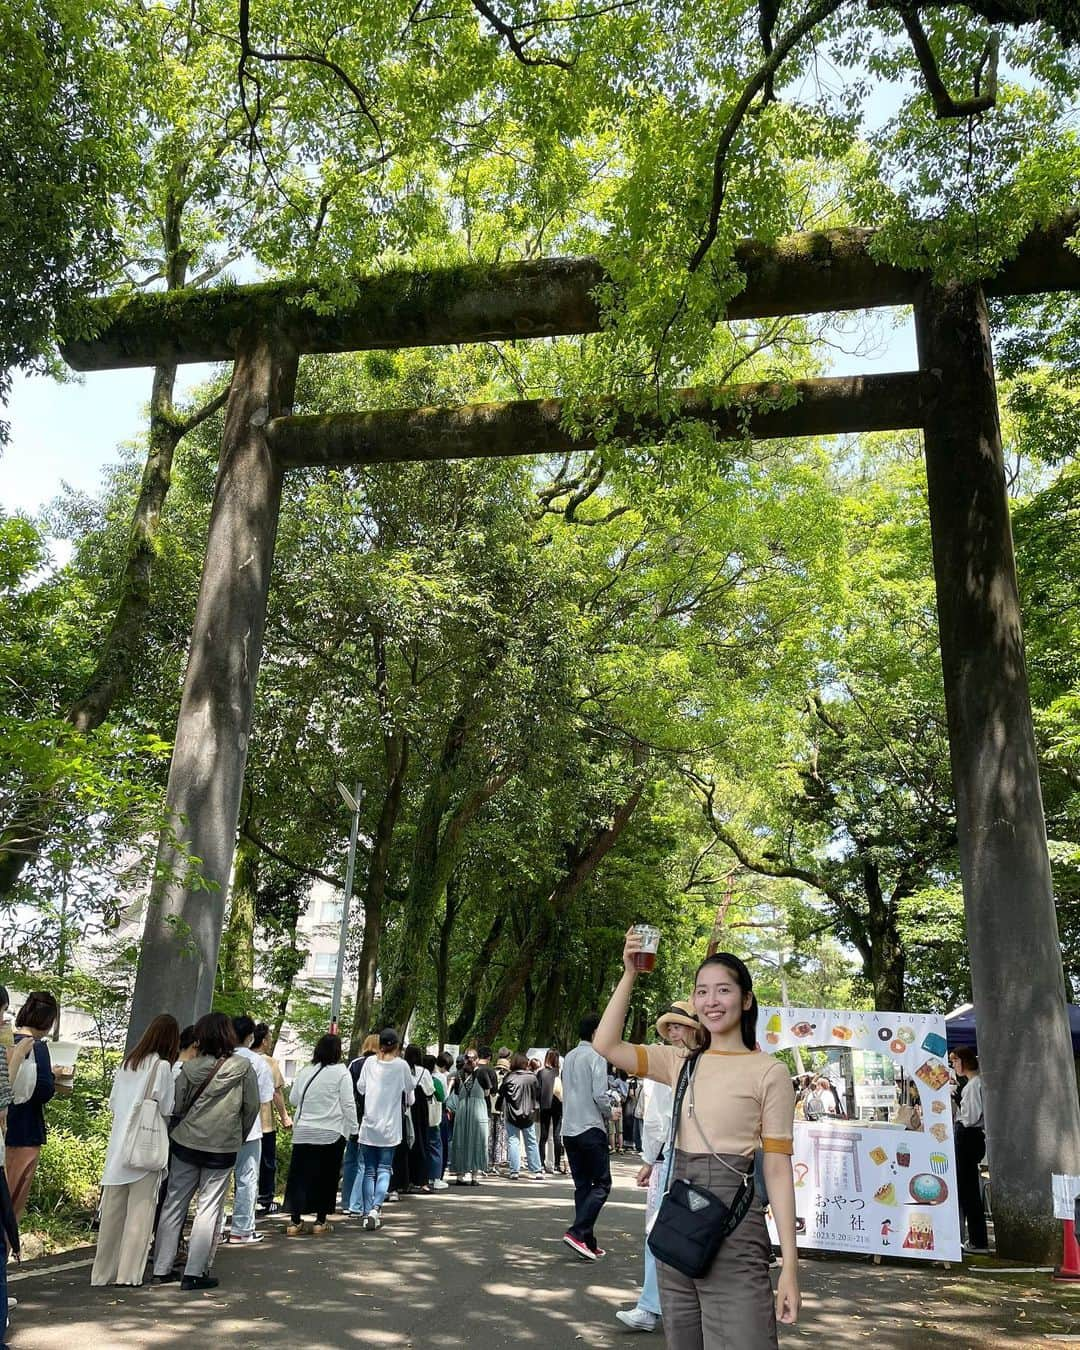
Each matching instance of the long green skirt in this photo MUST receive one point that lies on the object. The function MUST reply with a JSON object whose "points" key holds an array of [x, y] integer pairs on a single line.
{"points": [[469, 1141]]}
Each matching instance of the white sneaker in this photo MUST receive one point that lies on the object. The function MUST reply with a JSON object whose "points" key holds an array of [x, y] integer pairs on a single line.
{"points": [[439, 1185], [466, 1178], [637, 1319], [374, 1219]]}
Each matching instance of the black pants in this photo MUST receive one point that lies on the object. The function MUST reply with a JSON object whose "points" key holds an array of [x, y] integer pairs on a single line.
{"points": [[590, 1167], [551, 1125], [970, 1150], [268, 1170]]}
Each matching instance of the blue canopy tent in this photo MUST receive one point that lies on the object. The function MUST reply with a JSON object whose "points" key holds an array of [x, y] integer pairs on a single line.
{"points": [[960, 1027]]}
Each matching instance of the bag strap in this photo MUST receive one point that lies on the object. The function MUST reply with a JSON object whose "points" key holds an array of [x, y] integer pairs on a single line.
{"points": [[151, 1080], [680, 1092], [708, 1147], [300, 1103], [199, 1091]]}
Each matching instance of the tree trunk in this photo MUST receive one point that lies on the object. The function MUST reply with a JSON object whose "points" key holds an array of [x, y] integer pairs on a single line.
{"points": [[461, 1024], [884, 957], [375, 892], [583, 863], [528, 996], [1017, 978], [25, 834], [442, 959], [439, 839], [236, 972], [292, 968], [548, 1007], [178, 957]]}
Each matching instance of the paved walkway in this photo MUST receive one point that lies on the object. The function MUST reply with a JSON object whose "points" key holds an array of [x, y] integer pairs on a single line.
{"points": [[485, 1267]]}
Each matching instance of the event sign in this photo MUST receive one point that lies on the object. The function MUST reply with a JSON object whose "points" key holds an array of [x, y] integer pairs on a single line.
{"points": [[875, 1186]]}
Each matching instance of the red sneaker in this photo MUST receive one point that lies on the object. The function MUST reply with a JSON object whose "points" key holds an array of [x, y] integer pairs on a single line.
{"points": [[582, 1248]]}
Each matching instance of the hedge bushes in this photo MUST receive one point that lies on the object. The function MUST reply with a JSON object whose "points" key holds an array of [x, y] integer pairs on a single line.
{"points": [[73, 1155]]}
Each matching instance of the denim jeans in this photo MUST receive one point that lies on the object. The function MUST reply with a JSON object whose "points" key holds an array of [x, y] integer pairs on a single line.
{"points": [[514, 1135], [378, 1163], [246, 1173], [590, 1166], [352, 1177]]}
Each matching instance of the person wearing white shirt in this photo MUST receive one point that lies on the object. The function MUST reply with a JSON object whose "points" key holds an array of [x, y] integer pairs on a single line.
{"points": [[387, 1087], [246, 1171], [324, 1115], [129, 1194], [970, 1151], [678, 1025]]}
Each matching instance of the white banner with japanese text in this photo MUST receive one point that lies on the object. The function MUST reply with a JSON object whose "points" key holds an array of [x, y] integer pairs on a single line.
{"points": [[884, 1180]]}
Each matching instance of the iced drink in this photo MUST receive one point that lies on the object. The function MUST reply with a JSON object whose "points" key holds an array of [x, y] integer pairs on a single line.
{"points": [[903, 1157], [645, 958]]}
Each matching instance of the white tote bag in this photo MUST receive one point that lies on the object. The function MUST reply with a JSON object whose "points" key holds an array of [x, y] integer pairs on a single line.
{"points": [[146, 1139]]}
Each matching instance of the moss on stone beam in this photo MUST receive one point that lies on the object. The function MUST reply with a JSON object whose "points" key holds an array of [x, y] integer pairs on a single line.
{"points": [[390, 310], [821, 272], [533, 427]]}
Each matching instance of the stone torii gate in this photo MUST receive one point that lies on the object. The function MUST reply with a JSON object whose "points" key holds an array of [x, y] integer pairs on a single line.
{"points": [[1011, 920]]}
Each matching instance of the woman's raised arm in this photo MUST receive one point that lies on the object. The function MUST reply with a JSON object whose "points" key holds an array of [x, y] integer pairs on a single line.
{"points": [[607, 1040]]}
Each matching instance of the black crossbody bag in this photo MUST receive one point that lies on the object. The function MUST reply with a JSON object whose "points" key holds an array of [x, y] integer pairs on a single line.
{"points": [[692, 1223]]}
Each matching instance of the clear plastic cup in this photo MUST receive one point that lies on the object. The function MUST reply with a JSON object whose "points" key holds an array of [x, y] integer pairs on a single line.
{"points": [[645, 957]]}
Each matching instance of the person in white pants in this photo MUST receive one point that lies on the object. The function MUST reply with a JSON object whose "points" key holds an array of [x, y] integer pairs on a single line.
{"points": [[679, 1025], [129, 1194]]}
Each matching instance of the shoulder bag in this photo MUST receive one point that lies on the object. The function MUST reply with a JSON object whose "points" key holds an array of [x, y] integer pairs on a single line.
{"points": [[145, 1146], [434, 1109], [692, 1222]]}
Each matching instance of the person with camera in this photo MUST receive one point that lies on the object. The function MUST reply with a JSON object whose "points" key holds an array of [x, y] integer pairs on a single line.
{"points": [[730, 1101]]}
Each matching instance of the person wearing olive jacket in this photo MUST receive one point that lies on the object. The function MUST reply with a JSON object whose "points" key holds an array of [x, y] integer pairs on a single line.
{"points": [[217, 1103]]}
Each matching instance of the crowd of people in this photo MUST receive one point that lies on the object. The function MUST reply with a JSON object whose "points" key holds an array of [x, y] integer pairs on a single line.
{"points": [[393, 1121], [197, 1111]]}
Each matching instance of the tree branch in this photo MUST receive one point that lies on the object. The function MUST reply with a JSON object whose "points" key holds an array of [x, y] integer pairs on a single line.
{"points": [[760, 80], [944, 104], [198, 417], [248, 52], [516, 44], [248, 833]]}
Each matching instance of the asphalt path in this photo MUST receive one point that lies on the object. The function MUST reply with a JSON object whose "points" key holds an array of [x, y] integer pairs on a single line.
{"points": [[486, 1267]]}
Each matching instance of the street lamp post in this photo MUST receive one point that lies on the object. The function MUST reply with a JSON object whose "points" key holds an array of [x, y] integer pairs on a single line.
{"points": [[352, 801]]}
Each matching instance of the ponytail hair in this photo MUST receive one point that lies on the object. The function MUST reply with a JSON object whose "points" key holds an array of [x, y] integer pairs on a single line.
{"points": [[748, 1020]]}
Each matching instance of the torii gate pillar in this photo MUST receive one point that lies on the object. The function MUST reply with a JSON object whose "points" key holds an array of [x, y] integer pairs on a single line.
{"points": [[186, 907], [1025, 1048]]}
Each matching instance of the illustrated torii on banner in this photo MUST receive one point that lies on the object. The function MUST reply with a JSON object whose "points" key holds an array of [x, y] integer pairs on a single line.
{"points": [[874, 1186]]}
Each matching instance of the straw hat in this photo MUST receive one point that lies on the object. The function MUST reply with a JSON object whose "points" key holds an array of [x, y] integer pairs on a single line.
{"points": [[681, 1013]]}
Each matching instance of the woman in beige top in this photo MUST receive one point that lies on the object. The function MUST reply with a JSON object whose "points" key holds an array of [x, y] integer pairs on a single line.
{"points": [[740, 1101]]}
